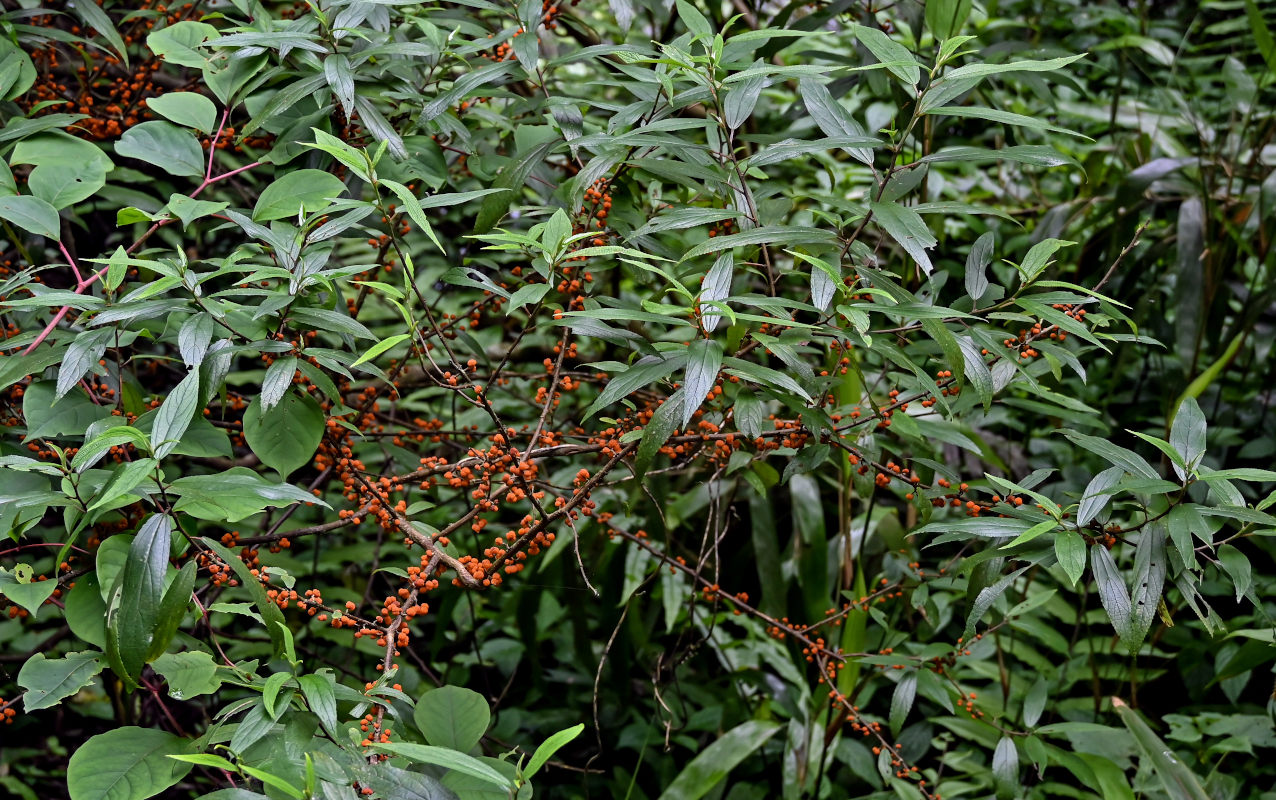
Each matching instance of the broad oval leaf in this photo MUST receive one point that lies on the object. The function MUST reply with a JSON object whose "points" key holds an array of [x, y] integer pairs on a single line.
{"points": [[127, 763], [173, 149], [48, 682], [452, 716], [286, 436]]}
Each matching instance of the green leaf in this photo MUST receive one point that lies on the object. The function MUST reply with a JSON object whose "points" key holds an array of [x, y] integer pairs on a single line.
{"points": [[317, 689], [269, 611], [1005, 117], [741, 99], [98, 446], [352, 158], [1237, 567], [774, 235], [310, 190], [111, 557], [380, 347], [1005, 767], [85, 611], [977, 265], [704, 359], [716, 288], [894, 56], [140, 589], [1113, 593], [1239, 513], [1183, 518], [32, 214], [278, 380], [549, 747], [1108, 778], [126, 764], [286, 436], [340, 77], [189, 109], [1034, 154], [65, 184], [413, 207], [985, 599], [1034, 703], [1263, 39], [654, 435], [984, 68], [17, 75], [453, 199], [270, 691], [173, 149], [716, 761], [452, 717], [94, 17], [907, 228], [1069, 548], [194, 336], [748, 414], [117, 267], [25, 593], [1114, 454], [188, 209], [332, 321], [234, 494], [975, 369], [124, 478], [69, 416], [1040, 529], [1240, 474], [175, 415], [530, 293], [401, 784], [902, 701], [82, 356], [1187, 434], [57, 147], [945, 18], [271, 779], [48, 682], [1035, 262], [172, 610], [1096, 495], [765, 376], [512, 177], [1179, 782], [189, 674], [216, 762], [448, 759], [176, 43], [831, 117], [1149, 579]]}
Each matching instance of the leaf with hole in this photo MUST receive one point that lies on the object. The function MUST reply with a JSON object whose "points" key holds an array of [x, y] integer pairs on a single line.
{"points": [[47, 682]]}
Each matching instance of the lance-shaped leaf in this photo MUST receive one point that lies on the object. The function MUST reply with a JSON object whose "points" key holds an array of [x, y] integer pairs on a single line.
{"points": [[1179, 782], [704, 359], [136, 599], [906, 227]]}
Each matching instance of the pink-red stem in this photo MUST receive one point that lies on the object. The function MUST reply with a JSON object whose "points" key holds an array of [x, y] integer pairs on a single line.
{"points": [[83, 283]]}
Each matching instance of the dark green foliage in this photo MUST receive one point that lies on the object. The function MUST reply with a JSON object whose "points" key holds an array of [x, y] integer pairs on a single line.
{"points": [[631, 399]]}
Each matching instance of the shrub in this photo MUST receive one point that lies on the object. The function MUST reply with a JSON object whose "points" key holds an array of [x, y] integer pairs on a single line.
{"points": [[433, 400]]}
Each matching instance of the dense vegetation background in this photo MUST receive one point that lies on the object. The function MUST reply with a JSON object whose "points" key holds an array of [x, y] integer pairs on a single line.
{"points": [[637, 399]]}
